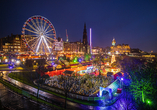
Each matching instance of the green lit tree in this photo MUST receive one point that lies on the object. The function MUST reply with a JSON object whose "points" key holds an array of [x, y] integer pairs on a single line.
{"points": [[144, 84], [142, 89]]}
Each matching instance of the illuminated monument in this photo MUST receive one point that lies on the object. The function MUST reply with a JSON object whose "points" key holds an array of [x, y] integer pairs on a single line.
{"points": [[85, 41], [113, 59], [91, 40]]}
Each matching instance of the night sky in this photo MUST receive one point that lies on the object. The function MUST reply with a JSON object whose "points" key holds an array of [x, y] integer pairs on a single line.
{"points": [[132, 22]]}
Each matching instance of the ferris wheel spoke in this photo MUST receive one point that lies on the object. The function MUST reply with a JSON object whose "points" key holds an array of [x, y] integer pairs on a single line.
{"points": [[46, 43], [49, 41], [41, 22], [50, 34], [34, 24], [31, 31], [38, 44], [38, 24], [33, 39], [49, 38], [44, 25], [34, 44], [34, 35], [32, 27], [48, 31], [46, 28], [44, 46]]}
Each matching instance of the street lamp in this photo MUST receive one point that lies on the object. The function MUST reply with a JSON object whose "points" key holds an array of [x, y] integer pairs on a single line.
{"points": [[121, 81], [148, 101]]}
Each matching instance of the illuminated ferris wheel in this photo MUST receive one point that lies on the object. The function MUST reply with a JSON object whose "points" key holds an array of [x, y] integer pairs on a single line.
{"points": [[39, 34]]}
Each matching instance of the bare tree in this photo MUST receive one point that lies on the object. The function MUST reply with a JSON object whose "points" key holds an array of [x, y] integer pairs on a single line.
{"points": [[125, 102]]}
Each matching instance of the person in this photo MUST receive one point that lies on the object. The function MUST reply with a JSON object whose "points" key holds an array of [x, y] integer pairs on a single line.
{"points": [[1, 73]]}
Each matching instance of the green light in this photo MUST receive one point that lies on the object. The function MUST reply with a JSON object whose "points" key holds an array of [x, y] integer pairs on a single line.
{"points": [[75, 60], [148, 101]]}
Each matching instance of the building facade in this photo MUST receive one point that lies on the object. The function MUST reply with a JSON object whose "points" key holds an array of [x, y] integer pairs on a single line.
{"points": [[119, 49], [73, 47], [97, 50], [11, 43]]}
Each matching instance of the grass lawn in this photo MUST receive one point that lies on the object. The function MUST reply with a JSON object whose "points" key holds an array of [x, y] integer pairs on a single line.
{"points": [[18, 68], [5, 69], [3, 65], [28, 78]]}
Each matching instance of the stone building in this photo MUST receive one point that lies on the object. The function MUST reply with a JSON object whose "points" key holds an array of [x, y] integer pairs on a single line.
{"points": [[120, 48], [11, 43]]}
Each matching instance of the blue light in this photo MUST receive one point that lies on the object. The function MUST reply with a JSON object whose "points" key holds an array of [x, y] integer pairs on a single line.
{"points": [[11, 67], [90, 67], [80, 60], [122, 79], [52, 63]]}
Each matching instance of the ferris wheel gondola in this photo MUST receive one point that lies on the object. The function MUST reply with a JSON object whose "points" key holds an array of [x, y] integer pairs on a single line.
{"points": [[39, 34]]}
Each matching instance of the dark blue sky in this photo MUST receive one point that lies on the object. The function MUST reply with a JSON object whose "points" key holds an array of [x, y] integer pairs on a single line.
{"points": [[132, 22]]}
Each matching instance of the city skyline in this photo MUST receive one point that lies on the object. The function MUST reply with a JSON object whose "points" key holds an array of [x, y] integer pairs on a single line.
{"points": [[129, 22]]}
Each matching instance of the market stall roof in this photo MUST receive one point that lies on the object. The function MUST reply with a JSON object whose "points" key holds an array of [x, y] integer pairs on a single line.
{"points": [[109, 73], [68, 72]]}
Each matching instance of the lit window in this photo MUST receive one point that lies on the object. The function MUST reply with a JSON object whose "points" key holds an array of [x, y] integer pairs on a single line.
{"points": [[17, 38]]}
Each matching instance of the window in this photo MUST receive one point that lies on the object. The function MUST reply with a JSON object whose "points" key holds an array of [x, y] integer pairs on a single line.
{"points": [[5, 50], [7, 43], [17, 41], [17, 38]]}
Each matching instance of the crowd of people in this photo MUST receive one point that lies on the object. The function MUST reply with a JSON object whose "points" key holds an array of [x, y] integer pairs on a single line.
{"points": [[84, 85]]}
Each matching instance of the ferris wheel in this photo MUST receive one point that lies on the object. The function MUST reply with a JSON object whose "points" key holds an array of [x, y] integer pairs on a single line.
{"points": [[39, 34]]}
